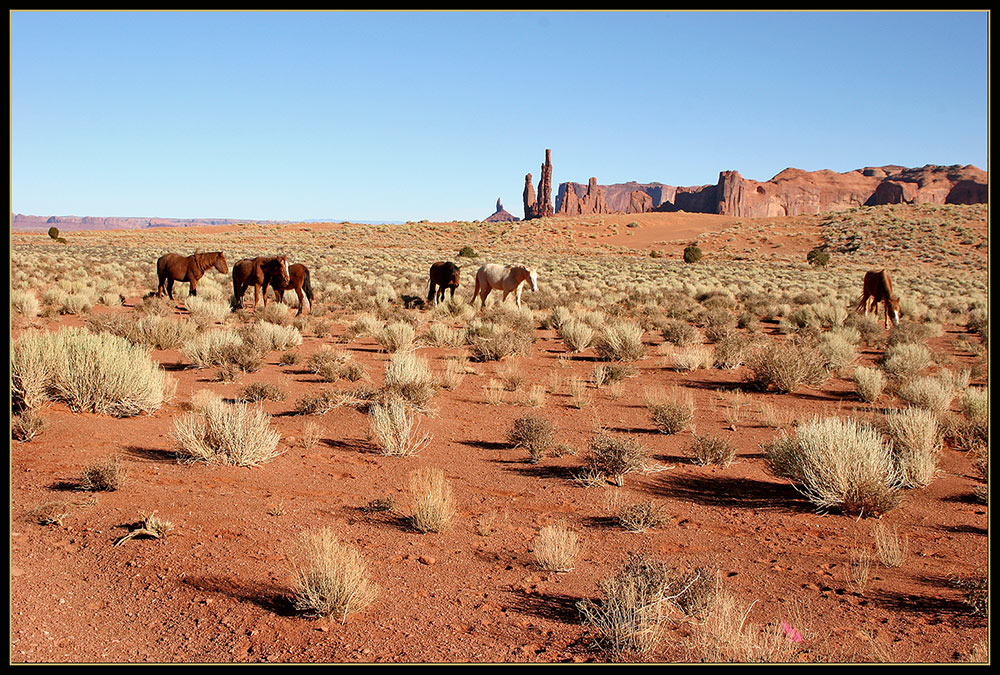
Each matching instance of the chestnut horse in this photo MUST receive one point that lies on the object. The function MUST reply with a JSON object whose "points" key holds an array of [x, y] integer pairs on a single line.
{"points": [[878, 288], [173, 267], [298, 280], [257, 272], [507, 279], [444, 275]]}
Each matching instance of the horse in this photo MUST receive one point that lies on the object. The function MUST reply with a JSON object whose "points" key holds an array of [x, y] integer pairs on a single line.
{"points": [[298, 280], [173, 267], [258, 272], [878, 288], [507, 279], [444, 275]]}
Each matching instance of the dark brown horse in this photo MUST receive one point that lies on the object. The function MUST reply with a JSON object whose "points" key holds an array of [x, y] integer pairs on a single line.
{"points": [[878, 288], [298, 280], [173, 267], [257, 272], [444, 275]]}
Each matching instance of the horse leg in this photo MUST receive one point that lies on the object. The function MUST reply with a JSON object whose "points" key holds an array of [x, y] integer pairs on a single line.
{"points": [[170, 288], [194, 288], [452, 294], [518, 297], [302, 300]]}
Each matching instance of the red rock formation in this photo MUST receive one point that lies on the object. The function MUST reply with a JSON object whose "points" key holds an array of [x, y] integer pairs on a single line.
{"points": [[640, 202], [501, 215], [542, 206], [571, 203]]}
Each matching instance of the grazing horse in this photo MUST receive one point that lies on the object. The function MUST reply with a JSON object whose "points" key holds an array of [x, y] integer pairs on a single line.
{"points": [[258, 272], [507, 279], [298, 280], [444, 275], [172, 267], [878, 288]]}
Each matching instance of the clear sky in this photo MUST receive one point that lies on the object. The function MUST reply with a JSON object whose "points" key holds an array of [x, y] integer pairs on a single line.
{"points": [[434, 115]]}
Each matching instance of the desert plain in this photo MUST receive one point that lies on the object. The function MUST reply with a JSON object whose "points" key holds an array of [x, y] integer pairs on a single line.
{"points": [[126, 545]]}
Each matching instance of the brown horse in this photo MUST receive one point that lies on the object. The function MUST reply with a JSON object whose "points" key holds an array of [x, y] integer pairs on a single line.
{"points": [[173, 267], [257, 272], [444, 275], [298, 280], [878, 288]]}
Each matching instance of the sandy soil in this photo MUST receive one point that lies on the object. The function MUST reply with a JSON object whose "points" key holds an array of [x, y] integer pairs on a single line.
{"points": [[218, 588]]}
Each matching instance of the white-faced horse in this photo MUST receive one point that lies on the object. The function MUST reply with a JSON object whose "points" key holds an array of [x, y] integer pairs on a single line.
{"points": [[509, 279]]}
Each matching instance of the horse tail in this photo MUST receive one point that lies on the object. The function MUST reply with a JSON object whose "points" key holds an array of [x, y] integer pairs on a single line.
{"points": [[307, 287]]}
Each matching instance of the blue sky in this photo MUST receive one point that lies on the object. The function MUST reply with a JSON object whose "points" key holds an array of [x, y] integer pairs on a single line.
{"points": [[434, 115]]}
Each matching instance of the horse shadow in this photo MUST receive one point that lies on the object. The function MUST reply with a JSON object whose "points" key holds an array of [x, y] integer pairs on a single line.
{"points": [[745, 493], [272, 598]]}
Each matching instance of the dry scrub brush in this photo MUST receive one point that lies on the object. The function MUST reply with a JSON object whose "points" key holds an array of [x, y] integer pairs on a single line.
{"points": [[395, 429], [331, 578], [432, 501], [556, 548], [226, 433], [839, 463]]}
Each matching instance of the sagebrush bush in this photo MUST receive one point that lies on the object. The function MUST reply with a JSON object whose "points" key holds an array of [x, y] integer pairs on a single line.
{"points": [[331, 578], [839, 463], [620, 342], [225, 433], [576, 335], [533, 433], [869, 383], [102, 373], [395, 430], [107, 475], [671, 412], [785, 367], [396, 336], [615, 456], [409, 377], [906, 359], [916, 438], [708, 449], [927, 392]]}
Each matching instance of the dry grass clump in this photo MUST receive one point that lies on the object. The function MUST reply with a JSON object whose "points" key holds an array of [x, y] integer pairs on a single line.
{"points": [[395, 429], [731, 351], [727, 637], [576, 335], [226, 433], [51, 513], [839, 463], [432, 501], [636, 516], [556, 548], [261, 391], [869, 383], [620, 342], [611, 373], [102, 373], [890, 546], [152, 331], [151, 526], [331, 578], [977, 593], [25, 425], [409, 377], [107, 475], [25, 303], [454, 373], [672, 412], [680, 333], [321, 403], [396, 336], [785, 367], [906, 359], [533, 433], [710, 449], [931, 393], [491, 341], [333, 364], [690, 358], [916, 440], [213, 347], [264, 336], [635, 605], [837, 351], [441, 335], [615, 456]]}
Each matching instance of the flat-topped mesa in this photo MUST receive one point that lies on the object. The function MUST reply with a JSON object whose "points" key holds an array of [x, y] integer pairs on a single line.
{"points": [[540, 207], [792, 192]]}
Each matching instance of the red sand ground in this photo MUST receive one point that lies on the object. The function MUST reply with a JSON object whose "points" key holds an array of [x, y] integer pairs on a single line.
{"points": [[218, 588]]}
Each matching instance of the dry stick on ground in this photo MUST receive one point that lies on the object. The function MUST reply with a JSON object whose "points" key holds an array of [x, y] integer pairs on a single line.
{"points": [[151, 526]]}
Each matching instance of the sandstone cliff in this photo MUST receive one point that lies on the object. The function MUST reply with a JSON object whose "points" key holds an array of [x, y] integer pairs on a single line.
{"points": [[501, 215]]}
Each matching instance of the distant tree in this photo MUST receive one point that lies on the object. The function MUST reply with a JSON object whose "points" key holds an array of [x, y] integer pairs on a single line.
{"points": [[692, 254], [54, 232], [468, 252], [818, 256]]}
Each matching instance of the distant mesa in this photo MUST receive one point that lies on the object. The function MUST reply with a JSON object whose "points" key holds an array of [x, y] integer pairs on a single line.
{"points": [[792, 192], [24, 222], [501, 215]]}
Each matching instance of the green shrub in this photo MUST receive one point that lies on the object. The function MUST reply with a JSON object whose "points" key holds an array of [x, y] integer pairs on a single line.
{"points": [[818, 257], [467, 252], [692, 254]]}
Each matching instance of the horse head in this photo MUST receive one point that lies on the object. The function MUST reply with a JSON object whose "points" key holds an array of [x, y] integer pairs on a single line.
{"points": [[533, 278], [221, 264], [894, 305], [283, 269]]}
